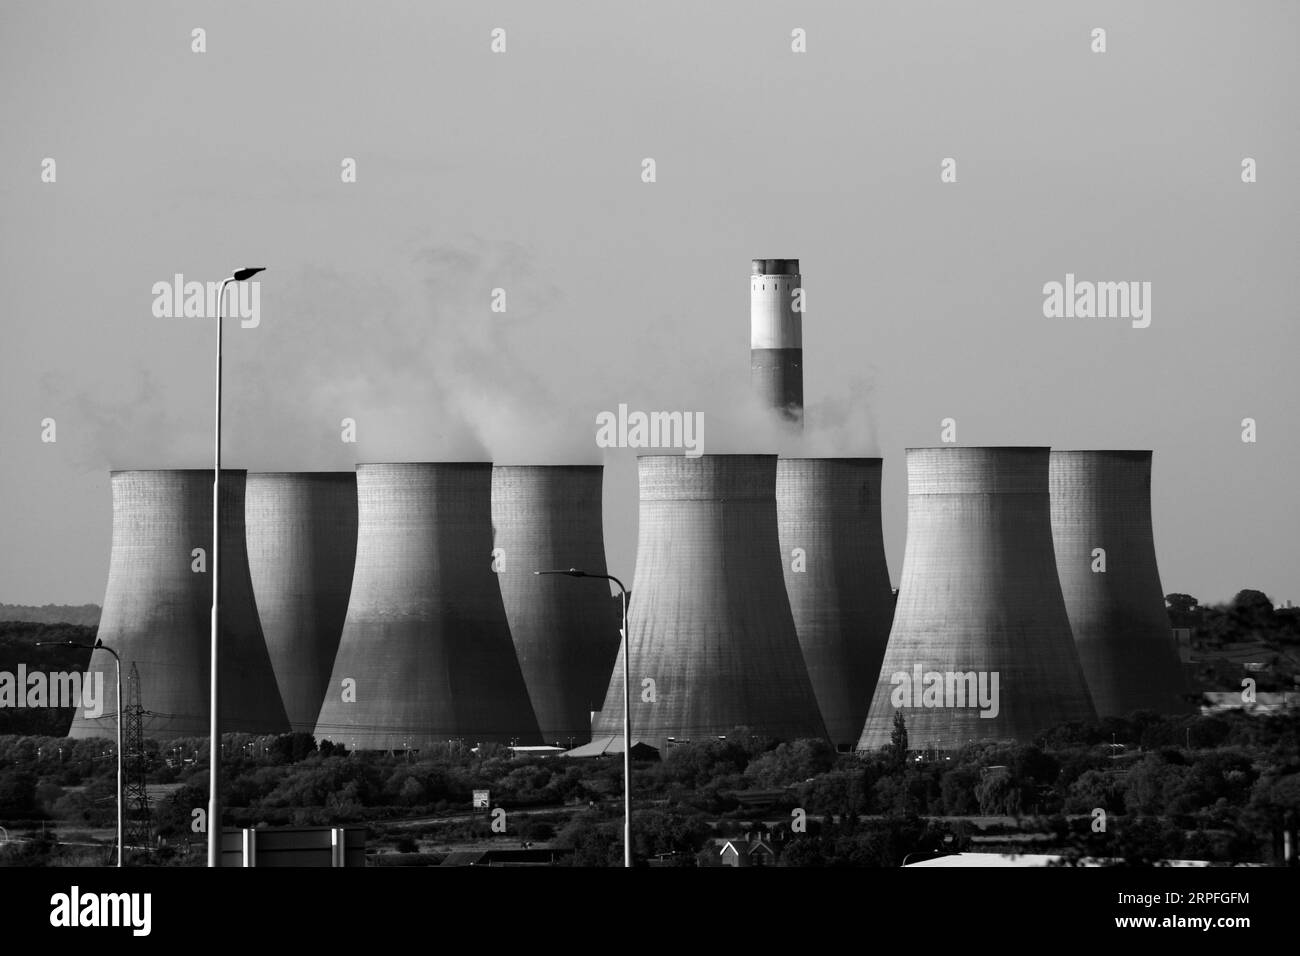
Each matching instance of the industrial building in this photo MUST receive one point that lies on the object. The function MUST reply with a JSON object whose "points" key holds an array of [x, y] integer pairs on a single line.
{"points": [[980, 647], [399, 609], [158, 609], [711, 635], [776, 336], [302, 543], [1106, 558], [426, 655], [833, 557], [566, 635]]}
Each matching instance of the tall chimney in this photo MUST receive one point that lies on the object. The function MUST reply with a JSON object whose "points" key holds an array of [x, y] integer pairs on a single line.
{"points": [[776, 336]]}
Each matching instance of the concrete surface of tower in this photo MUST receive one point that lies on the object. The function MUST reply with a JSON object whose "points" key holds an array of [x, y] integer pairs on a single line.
{"points": [[712, 638], [426, 655], [776, 336], [302, 543], [833, 557], [1101, 512], [547, 517], [980, 647], [158, 609]]}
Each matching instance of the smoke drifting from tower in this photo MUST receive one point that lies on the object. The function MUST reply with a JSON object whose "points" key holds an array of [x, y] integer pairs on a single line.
{"points": [[711, 635], [426, 654], [1102, 500], [302, 543], [980, 647], [158, 609], [565, 631], [776, 336], [833, 556]]}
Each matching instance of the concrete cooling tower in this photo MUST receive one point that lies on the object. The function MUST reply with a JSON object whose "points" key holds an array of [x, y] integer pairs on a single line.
{"points": [[980, 647], [833, 555], [565, 634], [1102, 500], [158, 609], [713, 643], [302, 541], [426, 655], [776, 336]]}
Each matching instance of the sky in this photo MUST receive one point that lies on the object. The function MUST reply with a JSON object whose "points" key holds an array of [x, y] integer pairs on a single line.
{"points": [[522, 170]]}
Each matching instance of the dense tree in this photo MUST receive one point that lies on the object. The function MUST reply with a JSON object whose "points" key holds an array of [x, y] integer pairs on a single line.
{"points": [[791, 763], [898, 739], [958, 791], [1184, 610], [18, 795]]}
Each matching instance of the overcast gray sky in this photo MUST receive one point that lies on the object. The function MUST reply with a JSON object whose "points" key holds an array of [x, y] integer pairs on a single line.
{"points": [[522, 171]]}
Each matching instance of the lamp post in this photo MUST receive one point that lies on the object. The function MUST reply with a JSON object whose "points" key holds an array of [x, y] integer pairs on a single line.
{"points": [[627, 711], [100, 645], [214, 730]]}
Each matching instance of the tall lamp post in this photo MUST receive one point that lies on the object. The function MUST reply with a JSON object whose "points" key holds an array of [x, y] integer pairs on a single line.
{"points": [[627, 711], [100, 645], [214, 730]]}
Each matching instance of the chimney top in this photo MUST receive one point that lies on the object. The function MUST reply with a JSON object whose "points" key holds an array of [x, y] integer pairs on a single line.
{"points": [[774, 267]]}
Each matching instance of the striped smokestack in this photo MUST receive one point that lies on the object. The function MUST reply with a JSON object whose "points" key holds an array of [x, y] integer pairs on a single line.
{"points": [[426, 655], [158, 609], [565, 634], [302, 542], [833, 555], [776, 336], [712, 638], [1102, 500], [979, 606]]}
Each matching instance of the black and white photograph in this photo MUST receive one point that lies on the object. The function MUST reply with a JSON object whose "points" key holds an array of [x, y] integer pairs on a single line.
{"points": [[556, 437]]}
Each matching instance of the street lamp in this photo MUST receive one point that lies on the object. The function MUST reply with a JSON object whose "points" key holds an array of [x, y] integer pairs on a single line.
{"points": [[214, 731], [627, 712], [100, 645]]}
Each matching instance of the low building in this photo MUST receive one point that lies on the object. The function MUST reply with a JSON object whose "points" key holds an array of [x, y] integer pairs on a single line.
{"points": [[610, 745], [1264, 704], [755, 848], [512, 857], [950, 860]]}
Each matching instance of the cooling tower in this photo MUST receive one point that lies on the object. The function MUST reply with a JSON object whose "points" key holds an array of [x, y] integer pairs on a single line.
{"points": [[302, 540], [425, 655], [1102, 500], [713, 644], [980, 648], [776, 336], [158, 610], [833, 555], [549, 517]]}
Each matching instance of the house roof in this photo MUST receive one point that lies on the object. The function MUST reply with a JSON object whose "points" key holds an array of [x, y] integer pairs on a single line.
{"points": [[612, 744]]}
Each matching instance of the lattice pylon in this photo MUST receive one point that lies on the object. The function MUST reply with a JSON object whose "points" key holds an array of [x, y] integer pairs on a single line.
{"points": [[137, 820]]}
